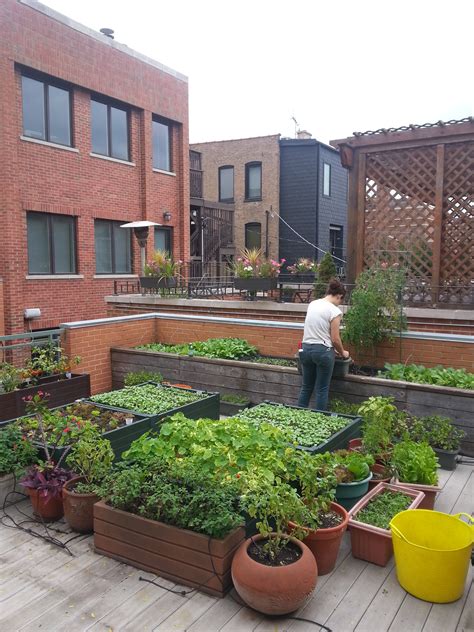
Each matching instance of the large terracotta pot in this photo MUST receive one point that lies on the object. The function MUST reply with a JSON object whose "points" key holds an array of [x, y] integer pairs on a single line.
{"points": [[48, 508], [274, 589], [325, 543], [79, 508]]}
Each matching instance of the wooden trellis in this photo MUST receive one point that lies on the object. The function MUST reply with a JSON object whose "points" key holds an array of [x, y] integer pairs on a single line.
{"points": [[411, 203]]}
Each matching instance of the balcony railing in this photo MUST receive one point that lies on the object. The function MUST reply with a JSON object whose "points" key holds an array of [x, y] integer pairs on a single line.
{"points": [[195, 183]]}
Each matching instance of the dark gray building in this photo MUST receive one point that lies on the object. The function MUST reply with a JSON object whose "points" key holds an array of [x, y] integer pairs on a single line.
{"points": [[313, 199]]}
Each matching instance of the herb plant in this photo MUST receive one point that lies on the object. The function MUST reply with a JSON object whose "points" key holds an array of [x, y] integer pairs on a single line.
{"points": [[351, 467], [382, 508], [438, 375], [148, 399], [90, 457], [139, 377], [224, 348], [379, 416], [10, 377], [302, 427], [230, 398], [415, 463], [438, 432], [16, 452]]}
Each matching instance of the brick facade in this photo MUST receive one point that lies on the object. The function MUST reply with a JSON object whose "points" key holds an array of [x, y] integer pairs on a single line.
{"points": [[238, 153], [38, 176]]}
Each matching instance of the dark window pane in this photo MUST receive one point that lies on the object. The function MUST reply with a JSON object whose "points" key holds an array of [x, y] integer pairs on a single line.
{"points": [[161, 146], [100, 142], [119, 134], [63, 244], [163, 240], [326, 179], [226, 183], [33, 108], [103, 247], [254, 189], [253, 235], [122, 250], [39, 261], [59, 116]]}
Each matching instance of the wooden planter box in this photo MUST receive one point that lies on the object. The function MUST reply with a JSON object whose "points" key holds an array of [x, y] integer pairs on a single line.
{"points": [[260, 382], [61, 391], [256, 284], [182, 556]]}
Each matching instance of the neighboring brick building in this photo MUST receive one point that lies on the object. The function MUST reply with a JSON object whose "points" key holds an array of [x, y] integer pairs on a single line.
{"points": [[245, 173], [313, 199], [93, 135]]}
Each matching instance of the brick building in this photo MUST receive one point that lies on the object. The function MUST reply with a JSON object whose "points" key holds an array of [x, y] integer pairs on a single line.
{"points": [[93, 135], [245, 173]]}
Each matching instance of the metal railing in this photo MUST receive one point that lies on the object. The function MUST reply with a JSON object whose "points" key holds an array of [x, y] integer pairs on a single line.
{"points": [[17, 353]]}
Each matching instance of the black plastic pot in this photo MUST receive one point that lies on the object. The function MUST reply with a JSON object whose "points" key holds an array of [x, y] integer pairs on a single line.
{"points": [[447, 458], [156, 283], [341, 367], [256, 284]]}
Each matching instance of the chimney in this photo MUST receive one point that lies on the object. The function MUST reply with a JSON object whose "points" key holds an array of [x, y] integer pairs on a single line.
{"points": [[302, 134], [107, 32]]}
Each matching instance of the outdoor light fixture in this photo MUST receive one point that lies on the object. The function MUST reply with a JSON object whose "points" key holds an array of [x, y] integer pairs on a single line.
{"points": [[140, 230], [167, 216]]}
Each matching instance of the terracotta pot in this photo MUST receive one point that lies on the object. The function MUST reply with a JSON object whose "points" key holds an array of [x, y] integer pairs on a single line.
{"points": [[274, 589], [49, 508], [79, 508], [324, 543], [377, 468], [429, 491], [355, 445]]}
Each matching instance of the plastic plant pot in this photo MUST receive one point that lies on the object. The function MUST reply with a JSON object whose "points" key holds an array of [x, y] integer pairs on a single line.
{"points": [[348, 494]]}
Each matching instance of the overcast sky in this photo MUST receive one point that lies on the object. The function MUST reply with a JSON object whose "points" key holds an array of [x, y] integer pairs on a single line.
{"points": [[336, 66]]}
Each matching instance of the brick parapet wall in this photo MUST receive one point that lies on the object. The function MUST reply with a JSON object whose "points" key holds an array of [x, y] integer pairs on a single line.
{"points": [[2, 309]]}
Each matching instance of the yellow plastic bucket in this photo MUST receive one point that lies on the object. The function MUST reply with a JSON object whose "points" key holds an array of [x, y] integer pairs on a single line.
{"points": [[432, 553]]}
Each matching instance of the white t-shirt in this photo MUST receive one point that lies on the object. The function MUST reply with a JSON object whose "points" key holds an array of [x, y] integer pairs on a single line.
{"points": [[317, 325]]}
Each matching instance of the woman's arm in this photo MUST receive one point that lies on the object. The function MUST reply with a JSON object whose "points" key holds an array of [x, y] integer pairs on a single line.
{"points": [[336, 337]]}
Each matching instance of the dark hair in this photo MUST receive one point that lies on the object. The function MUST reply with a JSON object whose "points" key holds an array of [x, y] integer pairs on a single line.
{"points": [[335, 288]]}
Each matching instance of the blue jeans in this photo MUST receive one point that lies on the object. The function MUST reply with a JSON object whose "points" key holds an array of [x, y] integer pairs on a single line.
{"points": [[317, 364]]}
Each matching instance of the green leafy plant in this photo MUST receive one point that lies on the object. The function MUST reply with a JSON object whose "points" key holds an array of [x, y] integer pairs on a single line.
{"points": [[90, 457], [302, 266], [224, 348], [139, 377], [326, 271], [162, 266], [415, 462], [230, 398], [274, 361], [251, 263], [438, 375], [378, 415], [344, 408], [382, 508], [10, 377], [375, 311], [439, 432], [149, 399], [16, 452], [50, 359], [351, 466]]}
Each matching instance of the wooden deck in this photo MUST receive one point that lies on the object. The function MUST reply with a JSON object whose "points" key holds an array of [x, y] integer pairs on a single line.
{"points": [[44, 588]]}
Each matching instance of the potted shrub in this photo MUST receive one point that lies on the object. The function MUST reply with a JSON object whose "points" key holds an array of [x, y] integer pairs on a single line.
{"points": [[369, 522], [16, 453], [231, 404], [353, 475], [161, 272], [442, 435], [254, 272], [273, 572], [172, 519], [415, 465], [378, 414], [90, 459]]}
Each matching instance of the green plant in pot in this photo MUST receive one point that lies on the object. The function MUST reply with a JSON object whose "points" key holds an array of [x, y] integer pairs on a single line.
{"points": [[16, 453], [379, 415], [91, 459], [416, 465], [273, 502], [442, 435], [10, 378], [353, 474]]}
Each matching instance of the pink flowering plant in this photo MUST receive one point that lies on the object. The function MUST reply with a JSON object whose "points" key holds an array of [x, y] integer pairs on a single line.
{"points": [[163, 266], [303, 266], [251, 263]]}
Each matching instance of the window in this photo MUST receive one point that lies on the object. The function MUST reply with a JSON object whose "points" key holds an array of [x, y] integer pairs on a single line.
{"points": [[46, 111], [326, 179], [336, 240], [163, 240], [109, 128], [253, 181], [51, 243], [226, 184], [112, 248], [161, 133], [253, 235]]}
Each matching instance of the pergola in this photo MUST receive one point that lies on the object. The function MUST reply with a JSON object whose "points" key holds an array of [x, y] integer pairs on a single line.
{"points": [[411, 202]]}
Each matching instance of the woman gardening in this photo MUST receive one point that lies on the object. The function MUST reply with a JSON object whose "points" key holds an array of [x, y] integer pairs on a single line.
{"points": [[321, 340]]}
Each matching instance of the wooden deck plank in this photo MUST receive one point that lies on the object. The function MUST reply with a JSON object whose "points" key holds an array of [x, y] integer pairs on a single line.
{"points": [[411, 615], [466, 621], [160, 609], [448, 497], [445, 616], [186, 614], [216, 616], [465, 500], [384, 606], [245, 620]]}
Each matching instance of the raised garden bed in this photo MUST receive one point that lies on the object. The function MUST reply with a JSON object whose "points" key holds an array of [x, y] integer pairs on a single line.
{"points": [[314, 431], [179, 555], [158, 401], [262, 382], [61, 389]]}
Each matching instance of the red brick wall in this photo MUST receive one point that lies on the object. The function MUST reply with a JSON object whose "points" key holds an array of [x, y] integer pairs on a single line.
{"points": [[44, 178], [2, 307]]}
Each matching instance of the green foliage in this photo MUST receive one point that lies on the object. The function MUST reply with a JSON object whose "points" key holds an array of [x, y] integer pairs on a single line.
{"points": [[438, 432], [179, 494], [162, 266], [415, 462], [274, 361], [375, 311], [351, 466], [149, 399], [378, 426], [344, 408], [10, 377], [50, 360], [230, 398], [438, 375], [91, 457], [301, 426], [382, 508], [16, 452], [326, 271], [139, 377], [224, 348]]}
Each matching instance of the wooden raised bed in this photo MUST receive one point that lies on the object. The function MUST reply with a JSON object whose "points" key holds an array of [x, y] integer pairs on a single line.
{"points": [[182, 556], [61, 391]]}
